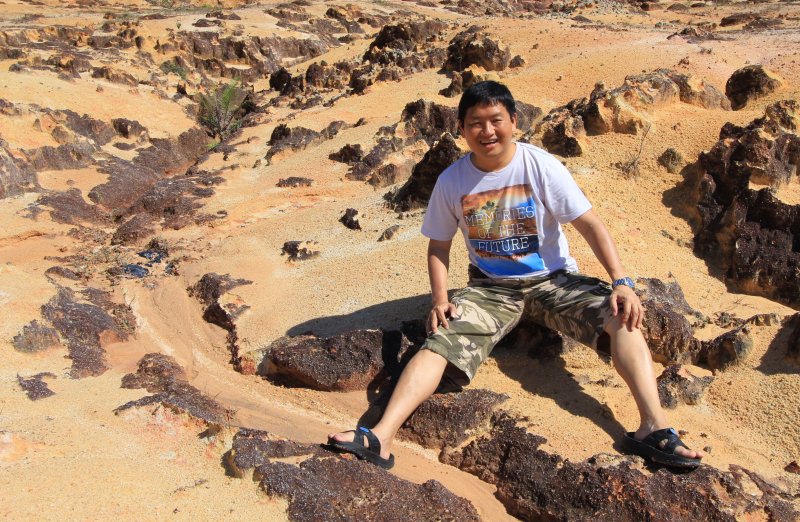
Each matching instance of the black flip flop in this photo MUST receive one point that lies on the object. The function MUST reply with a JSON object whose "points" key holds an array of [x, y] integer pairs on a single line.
{"points": [[371, 453], [660, 447]]}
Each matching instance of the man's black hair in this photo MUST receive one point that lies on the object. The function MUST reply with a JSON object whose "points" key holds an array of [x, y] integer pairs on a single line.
{"points": [[486, 93]]}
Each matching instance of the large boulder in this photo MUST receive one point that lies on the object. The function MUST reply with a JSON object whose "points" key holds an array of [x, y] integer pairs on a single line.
{"points": [[750, 82], [750, 234]]}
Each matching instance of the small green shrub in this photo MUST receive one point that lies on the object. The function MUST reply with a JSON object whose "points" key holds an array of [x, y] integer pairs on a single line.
{"points": [[171, 67], [221, 112]]}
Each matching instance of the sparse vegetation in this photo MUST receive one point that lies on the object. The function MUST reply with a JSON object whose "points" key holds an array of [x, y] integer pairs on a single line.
{"points": [[221, 112], [630, 168], [171, 67]]}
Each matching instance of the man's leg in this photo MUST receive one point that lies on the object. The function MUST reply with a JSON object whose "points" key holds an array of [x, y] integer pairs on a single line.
{"points": [[631, 358], [419, 380]]}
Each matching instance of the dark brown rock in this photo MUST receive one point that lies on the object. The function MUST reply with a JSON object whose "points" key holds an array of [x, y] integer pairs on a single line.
{"points": [[349, 220], [728, 349], [252, 448], [298, 138], [70, 207], [748, 83], [339, 489], [671, 160], [35, 387], [517, 61], [749, 234], [35, 337], [536, 485], [114, 75], [759, 24], [416, 192], [162, 376], [74, 155], [138, 227], [475, 47], [299, 250], [364, 170], [676, 385], [448, 419], [129, 129], [792, 324], [394, 43], [15, 176], [62, 271], [737, 18], [426, 120], [345, 362], [349, 154], [85, 328]]}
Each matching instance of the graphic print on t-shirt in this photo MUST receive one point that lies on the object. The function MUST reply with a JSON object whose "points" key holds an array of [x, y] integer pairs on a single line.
{"points": [[502, 230]]}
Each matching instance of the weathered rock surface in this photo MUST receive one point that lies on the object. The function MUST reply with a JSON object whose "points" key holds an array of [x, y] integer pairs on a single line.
{"points": [[35, 337], [536, 485], [85, 328], [416, 192], [253, 448], [624, 109], [222, 308], [448, 419], [793, 326], [298, 138], [475, 46], [750, 234], [15, 176], [294, 182], [35, 387], [349, 220], [750, 82], [339, 489], [162, 376], [345, 362], [676, 385]]}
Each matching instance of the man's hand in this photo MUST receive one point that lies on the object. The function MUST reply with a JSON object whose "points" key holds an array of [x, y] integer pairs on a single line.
{"points": [[625, 301], [438, 316]]}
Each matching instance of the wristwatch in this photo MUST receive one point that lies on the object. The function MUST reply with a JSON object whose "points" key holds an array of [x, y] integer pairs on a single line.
{"points": [[627, 281]]}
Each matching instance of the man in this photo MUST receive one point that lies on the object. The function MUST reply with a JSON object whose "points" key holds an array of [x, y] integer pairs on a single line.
{"points": [[509, 200]]}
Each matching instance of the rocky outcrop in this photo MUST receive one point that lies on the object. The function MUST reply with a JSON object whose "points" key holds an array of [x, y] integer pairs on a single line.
{"points": [[339, 489], [448, 419], [536, 485], [750, 234], [299, 250], [349, 220], [416, 192], [345, 362], [15, 176], [475, 46], [222, 308], [624, 109], [749, 83], [85, 328], [162, 376], [792, 325], [253, 448]]}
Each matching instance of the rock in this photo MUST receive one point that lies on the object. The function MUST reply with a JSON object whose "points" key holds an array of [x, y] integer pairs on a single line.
{"points": [[135, 229], [387, 175], [128, 129], [339, 489], [298, 138], [114, 76], [527, 115], [416, 192], [61, 271], [389, 233], [15, 176], [222, 309], [253, 448], [294, 182], [671, 160], [67, 156], [426, 120], [448, 419], [35, 387], [749, 234], [737, 18], [728, 349], [35, 337], [676, 385], [364, 170], [475, 47], [85, 328], [792, 467], [516, 62], [162, 376], [299, 250], [759, 24], [749, 83], [561, 133], [349, 219], [536, 485], [349, 154], [792, 326], [345, 362]]}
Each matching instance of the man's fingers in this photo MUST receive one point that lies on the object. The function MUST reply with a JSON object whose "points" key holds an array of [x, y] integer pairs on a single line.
{"points": [[614, 308]]}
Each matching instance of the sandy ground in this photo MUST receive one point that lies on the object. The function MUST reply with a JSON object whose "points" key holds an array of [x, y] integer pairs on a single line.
{"points": [[70, 456]]}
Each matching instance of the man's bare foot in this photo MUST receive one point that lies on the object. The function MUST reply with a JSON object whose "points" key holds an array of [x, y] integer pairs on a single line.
{"points": [[349, 436], [644, 431]]}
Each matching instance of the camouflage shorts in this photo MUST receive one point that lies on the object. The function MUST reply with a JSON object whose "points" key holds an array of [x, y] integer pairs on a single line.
{"points": [[574, 304]]}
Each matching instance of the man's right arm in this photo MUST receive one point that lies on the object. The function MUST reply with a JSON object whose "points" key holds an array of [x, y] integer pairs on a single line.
{"points": [[438, 265]]}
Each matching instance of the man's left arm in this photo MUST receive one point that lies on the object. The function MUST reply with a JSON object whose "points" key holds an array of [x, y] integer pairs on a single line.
{"points": [[623, 298]]}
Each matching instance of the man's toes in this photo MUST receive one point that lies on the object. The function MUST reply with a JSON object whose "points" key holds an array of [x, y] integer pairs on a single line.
{"points": [[344, 436]]}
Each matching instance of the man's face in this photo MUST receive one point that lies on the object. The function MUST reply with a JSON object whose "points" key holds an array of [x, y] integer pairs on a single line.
{"points": [[489, 131]]}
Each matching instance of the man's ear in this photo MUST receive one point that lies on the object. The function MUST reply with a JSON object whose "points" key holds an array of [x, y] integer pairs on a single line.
{"points": [[514, 120]]}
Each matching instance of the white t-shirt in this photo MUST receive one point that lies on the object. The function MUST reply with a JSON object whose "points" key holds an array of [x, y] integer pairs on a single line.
{"points": [[511, 219]]}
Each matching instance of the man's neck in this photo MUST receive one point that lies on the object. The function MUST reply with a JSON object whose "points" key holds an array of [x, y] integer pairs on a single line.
{"points": [[494, 164]]}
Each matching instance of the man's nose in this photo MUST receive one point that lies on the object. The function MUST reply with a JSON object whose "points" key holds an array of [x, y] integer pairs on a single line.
{"points": [[486, 127]]}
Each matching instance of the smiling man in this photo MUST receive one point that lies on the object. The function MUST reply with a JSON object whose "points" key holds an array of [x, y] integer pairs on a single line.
{"points": [[510, 200]]}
